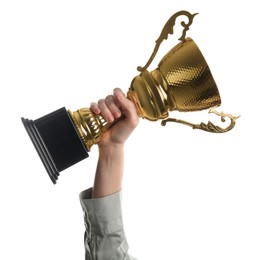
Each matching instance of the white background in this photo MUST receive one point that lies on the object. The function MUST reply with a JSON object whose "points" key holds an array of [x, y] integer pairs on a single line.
{"points": [[187, 194]]}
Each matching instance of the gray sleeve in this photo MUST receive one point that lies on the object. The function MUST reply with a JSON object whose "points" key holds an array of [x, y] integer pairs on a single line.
{"points": [[104, 236]]}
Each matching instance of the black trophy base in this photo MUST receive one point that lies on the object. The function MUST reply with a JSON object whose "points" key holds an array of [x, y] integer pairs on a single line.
{"points": [[56, 141]]}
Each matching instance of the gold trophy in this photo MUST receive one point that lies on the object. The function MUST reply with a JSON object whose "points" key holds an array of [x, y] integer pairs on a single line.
{"points": [[181, 82]]}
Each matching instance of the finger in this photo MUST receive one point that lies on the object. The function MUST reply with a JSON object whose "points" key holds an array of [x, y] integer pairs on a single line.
{"points": [[95, 108], [127, 106], [105, 112], [112, 106]]}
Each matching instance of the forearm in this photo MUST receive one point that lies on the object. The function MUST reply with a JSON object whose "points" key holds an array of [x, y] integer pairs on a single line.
{"points": [[109, 172]]}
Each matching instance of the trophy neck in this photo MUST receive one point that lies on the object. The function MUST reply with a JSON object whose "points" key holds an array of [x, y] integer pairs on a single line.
{"points": [[147, 92]]}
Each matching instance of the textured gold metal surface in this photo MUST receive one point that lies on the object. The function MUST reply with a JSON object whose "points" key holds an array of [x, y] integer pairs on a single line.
{"points": [[190, 82]]}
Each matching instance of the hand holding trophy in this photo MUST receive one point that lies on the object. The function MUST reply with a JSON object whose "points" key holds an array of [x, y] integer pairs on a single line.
{"points": [[182, 82]]}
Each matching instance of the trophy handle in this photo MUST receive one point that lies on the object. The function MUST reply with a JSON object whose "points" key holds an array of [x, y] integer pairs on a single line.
{"points": [[168, 29], [209, 127]]}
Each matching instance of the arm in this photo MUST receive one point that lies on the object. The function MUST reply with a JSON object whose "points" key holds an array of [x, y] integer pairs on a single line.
{"points": [[109, 173], [104, 236]]}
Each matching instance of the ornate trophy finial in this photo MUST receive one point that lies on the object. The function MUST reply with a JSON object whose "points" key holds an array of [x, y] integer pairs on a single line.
{"points": [[181, 82]]}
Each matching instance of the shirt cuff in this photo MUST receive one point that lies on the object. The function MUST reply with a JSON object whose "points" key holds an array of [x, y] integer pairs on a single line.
{"points": [[103, 215]]}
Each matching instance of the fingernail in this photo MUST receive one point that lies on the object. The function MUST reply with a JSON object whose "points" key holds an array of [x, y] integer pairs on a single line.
{"points": [[117, 114], [110, 118]]}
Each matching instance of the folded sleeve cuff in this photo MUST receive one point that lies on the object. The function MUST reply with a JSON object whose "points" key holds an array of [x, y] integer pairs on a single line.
{"points": [[103, 215]]}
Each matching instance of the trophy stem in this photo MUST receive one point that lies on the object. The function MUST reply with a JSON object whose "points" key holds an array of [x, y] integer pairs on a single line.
{"points": [[90, 127]]}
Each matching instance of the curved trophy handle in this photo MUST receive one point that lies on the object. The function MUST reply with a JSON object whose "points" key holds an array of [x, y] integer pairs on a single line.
{"points": [[209, 127], [168, 29]]}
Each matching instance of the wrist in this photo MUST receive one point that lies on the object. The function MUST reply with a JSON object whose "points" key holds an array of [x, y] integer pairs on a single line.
{"points": [[111, 149]]}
